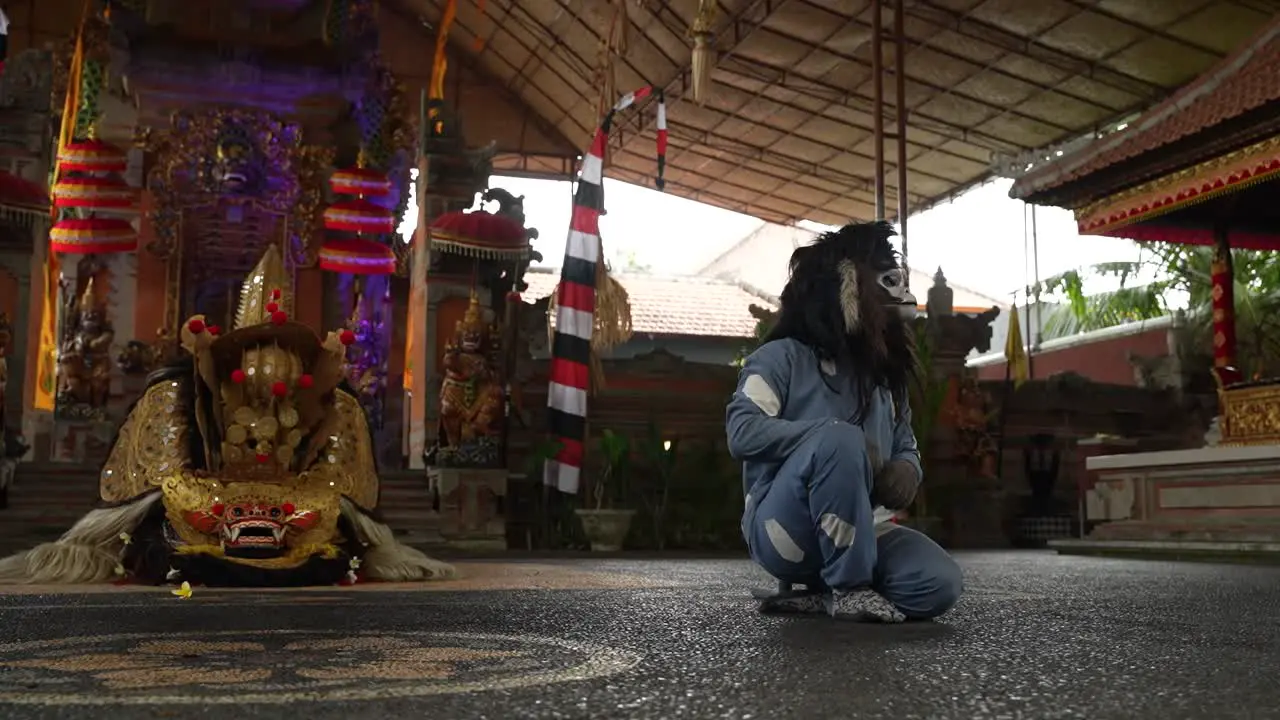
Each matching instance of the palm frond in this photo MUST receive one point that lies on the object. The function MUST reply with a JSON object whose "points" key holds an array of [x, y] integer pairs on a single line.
{"points": [[1093, 312]]}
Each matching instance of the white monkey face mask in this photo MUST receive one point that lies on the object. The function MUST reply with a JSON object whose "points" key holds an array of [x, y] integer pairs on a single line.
{"points": [[893, 291], [893, 282]]}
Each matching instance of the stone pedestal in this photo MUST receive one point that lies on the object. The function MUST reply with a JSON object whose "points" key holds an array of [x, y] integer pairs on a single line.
{"points": [[472, 507], [81, 442], [1218, 501], [1095, 502]]}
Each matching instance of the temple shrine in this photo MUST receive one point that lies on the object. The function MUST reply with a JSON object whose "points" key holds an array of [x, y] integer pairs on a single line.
{"points": [[1196, 169], [180, 163], [154, 152]]}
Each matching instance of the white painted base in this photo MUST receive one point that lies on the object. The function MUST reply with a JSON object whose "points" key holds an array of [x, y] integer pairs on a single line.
{"points": [[1198, 456], [1189, 547]]}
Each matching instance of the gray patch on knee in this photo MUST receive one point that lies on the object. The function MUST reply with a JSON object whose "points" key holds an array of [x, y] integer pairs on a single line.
{"points": [[840, 532], [782, 542]]}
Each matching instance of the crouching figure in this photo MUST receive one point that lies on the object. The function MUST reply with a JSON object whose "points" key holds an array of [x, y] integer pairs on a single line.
{"points": [[822, 423]]}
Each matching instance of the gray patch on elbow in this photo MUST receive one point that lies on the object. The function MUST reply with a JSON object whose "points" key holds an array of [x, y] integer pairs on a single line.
{"points": [[757, 390]]}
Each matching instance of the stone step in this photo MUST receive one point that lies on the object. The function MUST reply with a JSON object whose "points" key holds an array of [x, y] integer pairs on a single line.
{"points": [[48, 498]]}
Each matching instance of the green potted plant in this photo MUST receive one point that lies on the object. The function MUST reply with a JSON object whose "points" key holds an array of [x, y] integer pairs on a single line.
{"points": [[606, 527], [661, 456]]}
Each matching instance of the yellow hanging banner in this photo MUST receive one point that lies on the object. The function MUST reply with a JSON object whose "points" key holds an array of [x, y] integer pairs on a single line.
{"points": [[1015, 355], [47, 359], [417, 293]]}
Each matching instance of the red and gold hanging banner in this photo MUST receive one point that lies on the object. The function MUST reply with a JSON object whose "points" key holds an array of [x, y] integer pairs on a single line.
{"points": [[1224, 320], [1138, 213]]}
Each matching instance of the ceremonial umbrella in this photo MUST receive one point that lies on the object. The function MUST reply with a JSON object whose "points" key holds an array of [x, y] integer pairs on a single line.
{"points": [[359, 216], [91, 155], [100, 192], [357, 256], [480, 234], [85, 236], [360, 181]]}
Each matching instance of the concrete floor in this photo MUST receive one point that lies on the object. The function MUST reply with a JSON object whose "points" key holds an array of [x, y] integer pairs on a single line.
{"points": [[1037, 636]]}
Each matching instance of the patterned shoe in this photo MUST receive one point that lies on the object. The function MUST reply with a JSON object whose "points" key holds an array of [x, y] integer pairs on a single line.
{"points": [[863, 606], [793, 603]]}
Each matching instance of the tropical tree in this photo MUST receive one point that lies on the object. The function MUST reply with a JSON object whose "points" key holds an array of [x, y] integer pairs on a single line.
{"points": [[765, 319], [1181, 273]]}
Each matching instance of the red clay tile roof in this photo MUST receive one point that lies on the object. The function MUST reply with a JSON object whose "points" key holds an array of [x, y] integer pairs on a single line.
{"points": [[761, 260], [18, 193], [1241, 82], [673, 305]]}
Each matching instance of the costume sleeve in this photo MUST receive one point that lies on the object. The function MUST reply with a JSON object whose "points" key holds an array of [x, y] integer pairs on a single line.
{"points": [[904, 442], [346, 461], [151, 447], [755, 431]]}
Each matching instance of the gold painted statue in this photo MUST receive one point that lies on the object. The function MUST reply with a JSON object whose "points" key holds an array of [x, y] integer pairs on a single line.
{"points": [[471, 405], [246, 465], [366, 359], [84, 357]]}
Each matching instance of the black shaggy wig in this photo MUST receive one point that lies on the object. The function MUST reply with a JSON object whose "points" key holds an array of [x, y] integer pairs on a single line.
{"points": [[880, 350]]}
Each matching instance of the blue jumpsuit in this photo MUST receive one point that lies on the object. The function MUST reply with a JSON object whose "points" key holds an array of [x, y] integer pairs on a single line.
{"points": [[808, 475]]}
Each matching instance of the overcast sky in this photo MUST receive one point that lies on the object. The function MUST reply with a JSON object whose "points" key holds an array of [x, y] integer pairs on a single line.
{"points": [[978, 239]]}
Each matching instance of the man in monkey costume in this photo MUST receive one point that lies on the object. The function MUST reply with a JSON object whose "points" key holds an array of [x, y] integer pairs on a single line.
{"points": [[822, 423]]}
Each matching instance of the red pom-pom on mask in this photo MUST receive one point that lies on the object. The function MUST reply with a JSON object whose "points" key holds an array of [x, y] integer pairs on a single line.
{"points": [[237, 376], [346, 337], [275, 294], [279, 389], [273, 307], [263, 458], [214, 330], [279, 318], [218, 509], [306, 381], [196, 326], [287, 508]]}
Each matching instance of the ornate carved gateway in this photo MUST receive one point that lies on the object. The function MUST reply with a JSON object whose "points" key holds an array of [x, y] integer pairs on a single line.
{"points": [[227, 183]]}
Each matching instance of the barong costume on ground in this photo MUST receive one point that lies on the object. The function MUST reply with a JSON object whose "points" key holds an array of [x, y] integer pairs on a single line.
{"points": [[822, 422], [248, 464]]}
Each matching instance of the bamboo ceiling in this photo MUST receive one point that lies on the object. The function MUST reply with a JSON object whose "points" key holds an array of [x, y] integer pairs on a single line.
{"points": [[787, 131]]}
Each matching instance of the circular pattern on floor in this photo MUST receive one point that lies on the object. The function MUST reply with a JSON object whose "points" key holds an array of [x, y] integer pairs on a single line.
{"points": [[289, 666]]}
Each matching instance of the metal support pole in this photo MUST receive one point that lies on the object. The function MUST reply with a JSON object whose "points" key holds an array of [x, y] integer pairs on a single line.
{"points": [[877, 74], [1035, 263], [900, 105]]}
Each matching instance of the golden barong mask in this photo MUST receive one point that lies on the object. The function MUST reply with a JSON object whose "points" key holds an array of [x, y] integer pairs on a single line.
{"points": [[272, 379], [262, 428], [252, 528], [268, 522]]}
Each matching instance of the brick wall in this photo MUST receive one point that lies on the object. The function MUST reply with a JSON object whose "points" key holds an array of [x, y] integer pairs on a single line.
{"points": [[1157, 420], [1102, 357]]}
